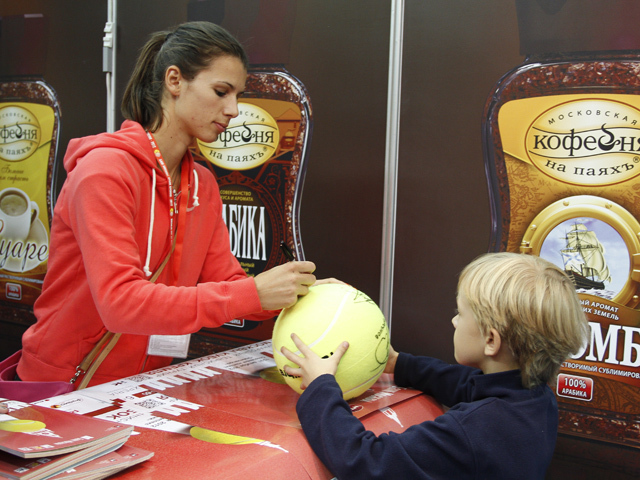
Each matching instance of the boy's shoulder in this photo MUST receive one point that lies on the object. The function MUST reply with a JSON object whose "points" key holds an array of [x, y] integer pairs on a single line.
{"points": [[503, 392]]}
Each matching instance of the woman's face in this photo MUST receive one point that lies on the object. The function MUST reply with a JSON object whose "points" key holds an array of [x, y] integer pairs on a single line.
{"points": [[205, 105]]}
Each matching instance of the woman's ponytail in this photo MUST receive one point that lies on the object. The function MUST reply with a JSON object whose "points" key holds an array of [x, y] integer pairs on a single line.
{"points": [[191, 47], [141, 101]]}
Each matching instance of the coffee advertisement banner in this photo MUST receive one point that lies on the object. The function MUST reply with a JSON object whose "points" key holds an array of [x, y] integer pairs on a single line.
{"points": [[28, 137], [259, 163], [568, 177]]}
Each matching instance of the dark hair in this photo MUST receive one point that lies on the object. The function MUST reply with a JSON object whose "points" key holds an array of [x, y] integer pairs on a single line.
{"points": [[191, 47]]}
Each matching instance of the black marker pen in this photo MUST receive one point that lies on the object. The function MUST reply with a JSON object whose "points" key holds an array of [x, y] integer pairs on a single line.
{"points": [[287, 252]]}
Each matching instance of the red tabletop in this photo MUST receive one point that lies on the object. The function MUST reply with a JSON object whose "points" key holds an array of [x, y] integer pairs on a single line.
{"points": [[224, 393]]}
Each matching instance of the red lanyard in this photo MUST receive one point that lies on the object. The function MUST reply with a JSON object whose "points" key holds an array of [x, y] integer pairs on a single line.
{"points": [[182, 206]]}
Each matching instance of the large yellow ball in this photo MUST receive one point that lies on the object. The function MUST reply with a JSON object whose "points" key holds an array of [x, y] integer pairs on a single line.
{"points": [[328, 315]]}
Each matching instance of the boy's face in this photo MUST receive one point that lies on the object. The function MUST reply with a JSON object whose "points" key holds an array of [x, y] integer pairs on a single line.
{"points": [[468, 341]]}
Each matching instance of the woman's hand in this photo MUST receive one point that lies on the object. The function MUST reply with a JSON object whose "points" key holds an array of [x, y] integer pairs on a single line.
{"points": [[280, 287], [322, 281], [311, 366], [3, 408]]}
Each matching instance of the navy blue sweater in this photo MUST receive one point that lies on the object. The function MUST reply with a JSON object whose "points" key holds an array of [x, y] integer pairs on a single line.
{"points": [[495, 428]]}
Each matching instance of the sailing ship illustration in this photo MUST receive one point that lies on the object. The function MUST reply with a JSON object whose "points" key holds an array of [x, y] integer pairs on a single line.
{"points": [[583, 258]]}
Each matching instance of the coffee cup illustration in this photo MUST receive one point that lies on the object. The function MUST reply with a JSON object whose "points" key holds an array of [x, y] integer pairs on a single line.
{"points": [[17, 214]]}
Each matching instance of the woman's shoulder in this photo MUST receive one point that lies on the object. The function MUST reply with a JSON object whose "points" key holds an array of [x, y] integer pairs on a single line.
{"points": [[126, 149]]}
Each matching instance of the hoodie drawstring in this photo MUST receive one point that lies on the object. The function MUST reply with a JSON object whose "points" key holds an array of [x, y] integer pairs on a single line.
{"points": [[147, 272], [195, 191], [196, 203]]}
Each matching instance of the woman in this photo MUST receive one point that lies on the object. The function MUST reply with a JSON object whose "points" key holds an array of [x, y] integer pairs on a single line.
{"points": [[114, 221]]}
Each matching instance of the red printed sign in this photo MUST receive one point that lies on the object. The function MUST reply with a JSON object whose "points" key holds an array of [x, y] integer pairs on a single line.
{"points": [[572, 386]]}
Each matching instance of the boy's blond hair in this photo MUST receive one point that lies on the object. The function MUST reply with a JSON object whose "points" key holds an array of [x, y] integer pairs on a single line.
{"points": [[532, 304]]}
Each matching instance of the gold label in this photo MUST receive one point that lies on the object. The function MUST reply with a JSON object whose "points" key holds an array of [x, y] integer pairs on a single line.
{"points": [[250, 140], [20, 133], [580, 140]]}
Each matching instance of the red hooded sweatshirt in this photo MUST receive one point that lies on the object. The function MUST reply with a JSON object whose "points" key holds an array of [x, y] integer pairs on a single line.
{"points": [[110, 230]]}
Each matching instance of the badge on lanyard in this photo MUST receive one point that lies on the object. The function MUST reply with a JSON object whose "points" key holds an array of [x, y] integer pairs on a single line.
{"points": [[169, 345]]}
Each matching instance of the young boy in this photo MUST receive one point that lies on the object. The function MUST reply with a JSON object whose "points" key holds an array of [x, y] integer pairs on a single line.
{"points": [[518, 319]]}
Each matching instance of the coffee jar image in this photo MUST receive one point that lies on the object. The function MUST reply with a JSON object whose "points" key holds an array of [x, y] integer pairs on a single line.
{"points": [[30, 120], [561, 146]]}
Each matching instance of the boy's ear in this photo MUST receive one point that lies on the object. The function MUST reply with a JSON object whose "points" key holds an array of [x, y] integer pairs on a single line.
{"points": [[493, 342]]}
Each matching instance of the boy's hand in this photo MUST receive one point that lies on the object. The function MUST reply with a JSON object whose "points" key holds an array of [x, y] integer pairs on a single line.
{"points": [[311, 366], [391, 361]]}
